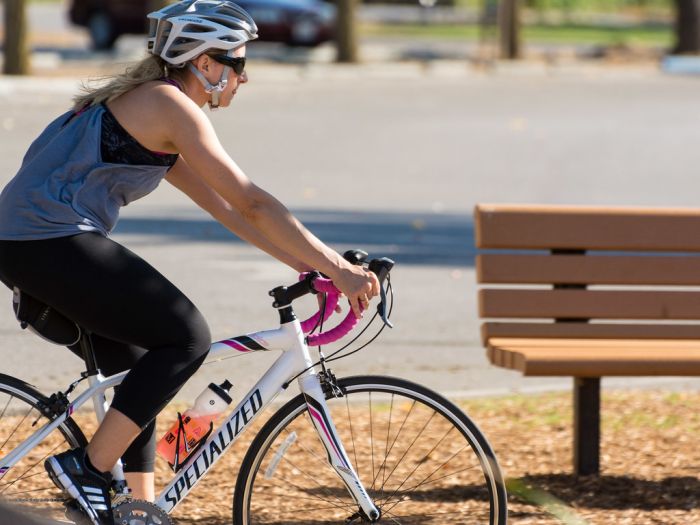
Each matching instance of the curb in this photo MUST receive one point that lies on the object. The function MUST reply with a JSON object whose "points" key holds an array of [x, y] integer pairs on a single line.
{"points": [[65, 73]]}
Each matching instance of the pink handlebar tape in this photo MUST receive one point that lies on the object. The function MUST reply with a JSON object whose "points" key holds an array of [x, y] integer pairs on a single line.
{"points": [[330, 336]]}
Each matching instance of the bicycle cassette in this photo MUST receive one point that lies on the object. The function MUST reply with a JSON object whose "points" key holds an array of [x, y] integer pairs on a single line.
{"points": [[140, 512]]}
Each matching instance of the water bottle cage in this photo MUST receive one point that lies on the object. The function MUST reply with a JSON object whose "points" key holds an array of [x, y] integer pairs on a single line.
{"points": [[190, 449]]}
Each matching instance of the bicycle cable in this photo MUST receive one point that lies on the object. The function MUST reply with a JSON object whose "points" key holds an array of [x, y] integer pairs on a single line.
{"points": [[331, 358], [391, 307]]}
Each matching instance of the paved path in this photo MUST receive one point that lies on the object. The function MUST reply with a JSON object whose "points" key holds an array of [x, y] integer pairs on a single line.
{"points": [[391, 159]]}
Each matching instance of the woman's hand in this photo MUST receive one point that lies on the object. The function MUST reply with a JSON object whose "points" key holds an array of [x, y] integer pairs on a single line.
{"points": [[357, 284]]}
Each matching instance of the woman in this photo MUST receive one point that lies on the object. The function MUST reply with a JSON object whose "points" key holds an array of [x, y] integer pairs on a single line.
{"points": [[115, 146]]}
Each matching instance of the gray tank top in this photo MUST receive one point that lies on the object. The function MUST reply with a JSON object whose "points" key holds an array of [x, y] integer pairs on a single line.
{"points": [[63, 187]]}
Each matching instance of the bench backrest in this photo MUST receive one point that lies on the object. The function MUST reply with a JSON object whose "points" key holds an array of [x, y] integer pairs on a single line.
{"points": [[632, 272]]}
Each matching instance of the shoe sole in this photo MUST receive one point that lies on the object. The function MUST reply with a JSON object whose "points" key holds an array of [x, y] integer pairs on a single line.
{"points": [[63, 482]]}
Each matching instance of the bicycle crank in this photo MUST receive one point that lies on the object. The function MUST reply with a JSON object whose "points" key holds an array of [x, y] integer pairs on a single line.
{"points": [[139, 512]]}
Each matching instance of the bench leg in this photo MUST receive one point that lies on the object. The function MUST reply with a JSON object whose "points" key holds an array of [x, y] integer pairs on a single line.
{"points": [[586, 425]]}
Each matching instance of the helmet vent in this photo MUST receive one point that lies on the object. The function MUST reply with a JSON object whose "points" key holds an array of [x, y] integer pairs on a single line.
{"points": [[197, 28]]}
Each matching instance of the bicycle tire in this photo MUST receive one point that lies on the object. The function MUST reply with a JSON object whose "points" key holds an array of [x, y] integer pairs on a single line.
{"points": [[21, 414], [285, 477]]}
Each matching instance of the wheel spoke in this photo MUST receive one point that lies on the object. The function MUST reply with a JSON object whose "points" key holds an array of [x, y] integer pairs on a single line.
{"points": [[403, 423], [29, 491], [16, 427], [408, 449], [312, 497], [419, 463], [371, 438], [386, 449], [427, 455], [319, 459], [435, 514], [25, 477], [22, 477], [2, 414], [308, 476], [450, 475]]}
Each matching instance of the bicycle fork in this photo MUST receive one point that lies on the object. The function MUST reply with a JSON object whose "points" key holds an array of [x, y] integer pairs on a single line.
{"points": [[337, 457]]}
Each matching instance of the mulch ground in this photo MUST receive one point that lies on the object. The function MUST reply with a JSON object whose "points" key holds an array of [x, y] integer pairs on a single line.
{"points": [[649, 461], [649, 457]]}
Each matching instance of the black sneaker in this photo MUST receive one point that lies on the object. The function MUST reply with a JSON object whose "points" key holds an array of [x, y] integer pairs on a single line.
{"points": [[88, 488]]}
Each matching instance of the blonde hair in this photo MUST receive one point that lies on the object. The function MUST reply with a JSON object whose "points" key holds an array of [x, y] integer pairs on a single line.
{"points": [[150, 68]]}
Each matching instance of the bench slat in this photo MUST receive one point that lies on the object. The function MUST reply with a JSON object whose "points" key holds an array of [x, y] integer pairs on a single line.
{"points": [[577, 269], [589, 304], [586, 228], [570, 357], [589, 330]]}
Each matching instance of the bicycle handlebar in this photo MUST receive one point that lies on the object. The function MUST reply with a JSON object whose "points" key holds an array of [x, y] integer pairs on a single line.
{"points": [[331, 302], [380, 267], [333, 294]]}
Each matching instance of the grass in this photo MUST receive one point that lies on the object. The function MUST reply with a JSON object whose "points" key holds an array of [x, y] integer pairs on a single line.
{"points": [[596, 6], [559, 34]]}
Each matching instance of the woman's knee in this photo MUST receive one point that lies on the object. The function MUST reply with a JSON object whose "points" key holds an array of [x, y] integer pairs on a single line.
{"points": [[196, 338]]}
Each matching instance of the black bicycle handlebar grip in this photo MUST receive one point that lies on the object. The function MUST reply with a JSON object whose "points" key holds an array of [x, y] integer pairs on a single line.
{"points": [[381, 268], [356, 257]]}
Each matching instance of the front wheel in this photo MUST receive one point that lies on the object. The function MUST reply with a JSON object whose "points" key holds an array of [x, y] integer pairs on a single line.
{"points": [[421, 459]]}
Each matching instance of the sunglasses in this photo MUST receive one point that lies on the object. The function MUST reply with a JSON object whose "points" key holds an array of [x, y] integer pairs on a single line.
{"points": [[235, 63]]}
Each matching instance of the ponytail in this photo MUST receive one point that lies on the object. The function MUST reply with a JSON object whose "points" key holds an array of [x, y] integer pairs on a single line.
{"points": [[150, 68]]}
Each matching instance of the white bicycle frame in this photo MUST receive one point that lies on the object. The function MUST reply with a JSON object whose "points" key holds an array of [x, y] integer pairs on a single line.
{"points": [[294, 361]]}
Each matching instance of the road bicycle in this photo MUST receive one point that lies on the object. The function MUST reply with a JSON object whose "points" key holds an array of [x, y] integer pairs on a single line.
{"points": [[361, 449]]}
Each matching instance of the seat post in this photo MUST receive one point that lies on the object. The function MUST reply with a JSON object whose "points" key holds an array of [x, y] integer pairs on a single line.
{"points": [[88, 353]]}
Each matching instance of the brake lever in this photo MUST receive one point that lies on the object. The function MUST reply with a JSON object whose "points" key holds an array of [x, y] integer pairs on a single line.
{"points": [[381, 308]]}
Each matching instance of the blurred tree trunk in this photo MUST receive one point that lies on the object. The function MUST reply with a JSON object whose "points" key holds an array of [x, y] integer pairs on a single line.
{"points": [[509, 29], [16, 54], [346, 31], [687, 27]]}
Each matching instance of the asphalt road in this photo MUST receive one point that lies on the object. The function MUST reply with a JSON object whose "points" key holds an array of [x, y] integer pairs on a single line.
{"points": [[390, 158]]}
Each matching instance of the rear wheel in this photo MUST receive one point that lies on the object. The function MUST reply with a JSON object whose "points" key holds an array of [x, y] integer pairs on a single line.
{"points": [[421, 459], [22, 412]]}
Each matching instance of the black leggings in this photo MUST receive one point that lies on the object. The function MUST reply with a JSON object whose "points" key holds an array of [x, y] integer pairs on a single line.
{"points": [[139, 319]]}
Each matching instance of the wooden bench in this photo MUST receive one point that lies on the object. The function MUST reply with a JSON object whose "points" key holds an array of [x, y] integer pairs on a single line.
{"points": [[589, 292]]}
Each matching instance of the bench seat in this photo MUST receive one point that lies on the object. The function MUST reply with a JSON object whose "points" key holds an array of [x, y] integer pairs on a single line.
{"points": [[596, 357]]}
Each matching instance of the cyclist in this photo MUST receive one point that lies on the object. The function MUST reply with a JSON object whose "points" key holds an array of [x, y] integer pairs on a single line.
{"points": [[116, 144]]}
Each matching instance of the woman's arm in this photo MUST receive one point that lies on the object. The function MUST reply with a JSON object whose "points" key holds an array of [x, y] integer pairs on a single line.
{"points": [[183, 178], [191, 133]]}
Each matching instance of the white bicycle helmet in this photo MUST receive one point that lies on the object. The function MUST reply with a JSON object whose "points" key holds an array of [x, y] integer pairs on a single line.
{"points": [[181, 32]]}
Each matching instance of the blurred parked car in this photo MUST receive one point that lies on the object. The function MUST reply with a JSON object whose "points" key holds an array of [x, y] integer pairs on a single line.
{"points": [[293, 22]]}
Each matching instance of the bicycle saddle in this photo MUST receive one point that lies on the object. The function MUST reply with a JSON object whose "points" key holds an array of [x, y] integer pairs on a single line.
{"points": [[44, 320]]}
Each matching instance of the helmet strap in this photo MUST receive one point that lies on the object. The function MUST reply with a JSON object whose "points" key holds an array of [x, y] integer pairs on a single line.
{"points": [[213, 90]]}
